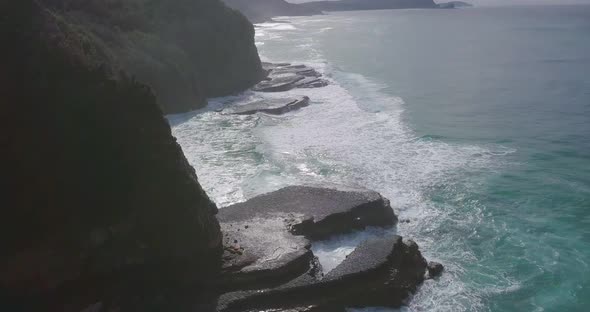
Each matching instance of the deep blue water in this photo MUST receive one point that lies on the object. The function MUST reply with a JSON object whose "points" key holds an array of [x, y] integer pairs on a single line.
{"points": [[474, 122]]}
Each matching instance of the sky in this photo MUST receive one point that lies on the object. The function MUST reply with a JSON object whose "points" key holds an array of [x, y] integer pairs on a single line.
{"points": [[501, 2]]}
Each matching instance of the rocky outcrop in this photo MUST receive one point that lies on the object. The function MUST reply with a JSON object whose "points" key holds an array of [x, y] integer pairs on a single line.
{"points": [[381, 272], [267, 238], [278, 83], [259, 11], [102, 211], [269, 106], [284, 68], [435, 269], [316, 212], [98, 196], [353, 5], [284, 77], [310, 83], [186, 51], [267, 256]]}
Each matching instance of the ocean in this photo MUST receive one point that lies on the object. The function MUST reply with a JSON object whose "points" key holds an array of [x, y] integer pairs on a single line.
{"points": [[475, 123]]}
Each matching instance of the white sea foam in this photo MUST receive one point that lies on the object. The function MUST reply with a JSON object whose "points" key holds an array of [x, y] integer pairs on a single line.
{"points": [[353, 133], [276, 26]]}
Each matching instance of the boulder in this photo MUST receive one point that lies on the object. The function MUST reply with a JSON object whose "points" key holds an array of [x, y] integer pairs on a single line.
{"points": [[380, 272], [435, 269], [269, 106], [267, 238]]}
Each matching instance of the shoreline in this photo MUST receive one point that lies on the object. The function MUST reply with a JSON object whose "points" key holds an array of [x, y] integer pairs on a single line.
{"points": [[287, 77]]}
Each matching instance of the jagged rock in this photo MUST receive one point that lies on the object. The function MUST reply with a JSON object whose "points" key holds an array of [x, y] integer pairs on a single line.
{"points": [[435, 269], [266, 238], [380, 272], [278, 83], [269, 106]]}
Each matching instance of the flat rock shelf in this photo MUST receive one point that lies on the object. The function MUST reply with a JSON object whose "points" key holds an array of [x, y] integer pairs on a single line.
{"points": [[269, 106], [284, 77], [380, 272], [267, 239]]}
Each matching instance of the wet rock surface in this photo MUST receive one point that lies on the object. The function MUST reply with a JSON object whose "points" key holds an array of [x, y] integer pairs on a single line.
{"points": [[316, 212], [380, 272], [267, 238], [278, 83], [284, 77], [311, 82], [269, 106], [435, 269], [261, 252], [302, 70]]}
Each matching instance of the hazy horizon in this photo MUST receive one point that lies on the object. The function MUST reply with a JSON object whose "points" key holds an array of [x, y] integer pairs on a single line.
{"points": [[497, 2]]}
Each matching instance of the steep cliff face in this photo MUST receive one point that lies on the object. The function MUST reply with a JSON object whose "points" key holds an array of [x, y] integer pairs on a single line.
{"points": [[263, 10], [185, 50], [95, 185]]}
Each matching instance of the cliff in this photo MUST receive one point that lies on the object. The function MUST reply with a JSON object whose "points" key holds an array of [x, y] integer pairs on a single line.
{"points": [[102, 212], [351, 5], [259, 11], [184, 50], [97, 195]]}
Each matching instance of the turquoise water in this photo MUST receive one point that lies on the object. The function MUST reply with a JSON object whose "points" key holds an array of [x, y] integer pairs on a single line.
{"points": [[474, 122]]}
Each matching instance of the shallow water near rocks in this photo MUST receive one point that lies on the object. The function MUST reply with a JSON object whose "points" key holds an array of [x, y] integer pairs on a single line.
{"points": [[474, 123]]}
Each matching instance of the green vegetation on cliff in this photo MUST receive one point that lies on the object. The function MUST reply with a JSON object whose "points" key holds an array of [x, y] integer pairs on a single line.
{"points": [[186, 50]]}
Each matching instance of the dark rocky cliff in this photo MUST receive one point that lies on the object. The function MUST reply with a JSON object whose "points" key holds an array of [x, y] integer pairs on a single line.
{"points": [[101, 212], [94, 184], [185, 50]]}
